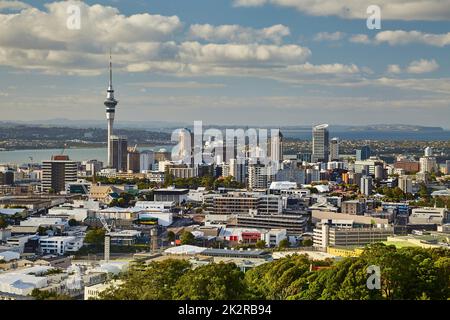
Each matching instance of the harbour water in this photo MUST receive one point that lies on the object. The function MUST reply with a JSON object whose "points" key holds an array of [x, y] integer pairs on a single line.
{"points": [[81, 154]]}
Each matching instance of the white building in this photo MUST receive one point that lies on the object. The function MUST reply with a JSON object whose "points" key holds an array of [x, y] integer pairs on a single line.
{"points": [[60, 245], [9, 256], [428, 216], [23, 281], [428, 164], [366, 185], [93, 292], [283, 185], [405, 184], [147, 160], [79, 214], [197, 195], [274, 236], [334, 149], [155, 205], [155, 176], [19, 241], [44, 221]]}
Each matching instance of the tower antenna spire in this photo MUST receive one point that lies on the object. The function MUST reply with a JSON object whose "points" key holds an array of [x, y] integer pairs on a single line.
{"points": [[110, 67]]}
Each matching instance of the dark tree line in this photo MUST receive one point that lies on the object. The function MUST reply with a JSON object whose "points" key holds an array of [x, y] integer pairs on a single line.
{"points": [[406, 273]]}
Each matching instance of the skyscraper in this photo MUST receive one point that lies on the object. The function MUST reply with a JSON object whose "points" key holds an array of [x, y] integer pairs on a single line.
{"points": [[405, 184], [110, 104], [320, 148], [147, 160], [334, 149], [56, 173], [276, 147], [366, 185], [133, 160], [119, 152], [363, 153], [428, 164]]}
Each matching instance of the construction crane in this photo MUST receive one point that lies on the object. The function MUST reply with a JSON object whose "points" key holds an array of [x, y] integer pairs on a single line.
{"points": [[108, 230], [64, 148]]}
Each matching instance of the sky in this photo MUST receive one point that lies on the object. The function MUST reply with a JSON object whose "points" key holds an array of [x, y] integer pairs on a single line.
{"points": [[238, 62]]}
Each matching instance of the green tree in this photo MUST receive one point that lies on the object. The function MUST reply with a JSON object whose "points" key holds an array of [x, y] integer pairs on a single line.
{"points": [[222, 281], [260, 244], [42, 231], [155, 281], [171, 236], [46, 295], [95, 236], [283, 244], [3, 222], [187, 238], [73, 222]]}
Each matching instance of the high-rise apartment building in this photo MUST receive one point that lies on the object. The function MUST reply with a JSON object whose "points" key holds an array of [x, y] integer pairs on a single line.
{"points": [[147, 160], [334, 149], [57, 172], [405, 184], [363, 154], [119, 151], [320, 143], [235, 170], [259, 176], [428, 164], [366, 185], [276, 148], [6, 177], [133, 160]]}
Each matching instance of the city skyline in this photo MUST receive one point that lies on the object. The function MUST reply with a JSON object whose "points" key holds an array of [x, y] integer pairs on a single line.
{"points": [[236, 62]]}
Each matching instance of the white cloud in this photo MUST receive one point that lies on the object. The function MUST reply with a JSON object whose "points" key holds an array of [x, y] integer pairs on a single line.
{"points": [[238, 34], [39, 40], [394, 68], [335, 68], [422, 66], [360, 38], [432, 10], [249, 3], [329, 36], [438, 85], [13, 5], [400, 37]]}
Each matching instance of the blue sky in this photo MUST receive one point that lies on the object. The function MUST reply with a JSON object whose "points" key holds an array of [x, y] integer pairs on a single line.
{"points": [[228, 62]]}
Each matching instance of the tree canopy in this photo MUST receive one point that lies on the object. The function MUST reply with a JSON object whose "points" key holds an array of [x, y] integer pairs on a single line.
{"points": [[405, 274]]}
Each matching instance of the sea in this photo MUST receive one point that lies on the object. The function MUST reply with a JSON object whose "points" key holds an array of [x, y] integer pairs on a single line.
{"points": [[80, 154]]}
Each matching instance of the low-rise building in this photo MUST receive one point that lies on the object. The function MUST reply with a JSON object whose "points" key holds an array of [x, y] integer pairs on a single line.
{"points": [[355, 207], [171, 194], [93, 292], [424, 216], [60, 245], [326, 235]]}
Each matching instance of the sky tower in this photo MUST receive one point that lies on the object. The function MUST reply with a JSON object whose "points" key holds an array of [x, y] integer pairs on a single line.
{"points": [[110, 104]]}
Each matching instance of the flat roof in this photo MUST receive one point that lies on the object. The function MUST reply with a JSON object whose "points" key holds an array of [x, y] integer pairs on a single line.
{"points": [[243, 253]]}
